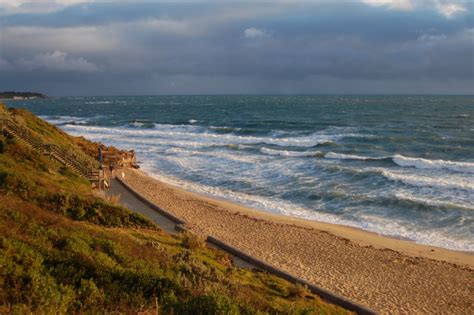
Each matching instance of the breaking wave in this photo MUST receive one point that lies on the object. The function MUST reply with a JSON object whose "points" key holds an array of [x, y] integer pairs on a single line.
{"points": [[463, 167], [195, 133], [403, 161], [430, 181], [291, 153], [340, 156]]}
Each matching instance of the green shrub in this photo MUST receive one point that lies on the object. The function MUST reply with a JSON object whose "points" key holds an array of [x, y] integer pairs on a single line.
{"points": [[110, 248], [49, 268], [93, 210], [26, 283], [17, 185], [3, 178], [209, 304], [89, 295]]}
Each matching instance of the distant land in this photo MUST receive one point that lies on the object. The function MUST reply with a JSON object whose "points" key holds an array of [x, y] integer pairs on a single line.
{"points": [[20, 95]]}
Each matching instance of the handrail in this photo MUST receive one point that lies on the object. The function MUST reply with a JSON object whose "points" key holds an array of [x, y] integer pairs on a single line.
{"points": [[23, 133], [51, 149]]}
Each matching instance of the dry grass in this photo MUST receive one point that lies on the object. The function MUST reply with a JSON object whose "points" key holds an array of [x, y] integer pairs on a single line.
{"points": [[113, 199], [297, 291], [192, 241]]}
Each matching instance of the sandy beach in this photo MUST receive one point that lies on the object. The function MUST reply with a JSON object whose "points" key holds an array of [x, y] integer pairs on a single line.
{"points": [[387, 275]]}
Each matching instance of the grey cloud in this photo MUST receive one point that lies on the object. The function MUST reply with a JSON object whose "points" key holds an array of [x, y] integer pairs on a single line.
{"points": [[237, 48], [56, 61]]}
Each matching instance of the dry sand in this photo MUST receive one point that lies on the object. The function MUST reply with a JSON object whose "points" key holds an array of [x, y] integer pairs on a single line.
{"points": [[388, 275]]}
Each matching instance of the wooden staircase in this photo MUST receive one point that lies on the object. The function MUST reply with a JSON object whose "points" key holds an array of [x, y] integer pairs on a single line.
{"points": [[21, 134]]}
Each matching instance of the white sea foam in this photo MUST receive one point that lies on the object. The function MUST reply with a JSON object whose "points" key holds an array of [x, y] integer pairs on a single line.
{"points": [[269, 204], [196, 133], [182, 152], [463, 167], [224, 128], [137, 123], [432, 201], [98, 102], [409, 230], [340, 156], [376, 224], [444, 182], [196, 137], [129, 142], [420, 163], [192, 121], [291, 153], [60, 120]]}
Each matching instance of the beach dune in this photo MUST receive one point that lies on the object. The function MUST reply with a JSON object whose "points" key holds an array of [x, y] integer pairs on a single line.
{"points": [[387, 275]]}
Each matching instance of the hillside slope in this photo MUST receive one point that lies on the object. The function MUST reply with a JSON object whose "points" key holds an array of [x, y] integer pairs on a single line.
{"points": [[64, 250]]}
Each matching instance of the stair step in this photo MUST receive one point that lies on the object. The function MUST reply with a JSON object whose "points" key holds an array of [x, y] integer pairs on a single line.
{"points": [[69, 162]]}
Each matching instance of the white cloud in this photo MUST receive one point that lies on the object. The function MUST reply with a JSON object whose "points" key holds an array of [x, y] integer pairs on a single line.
{"points": [[57, 61], [449, 10], [34, 6], [164, 25], [404, 5], [253, 32], [19, 3], [431, 38]]}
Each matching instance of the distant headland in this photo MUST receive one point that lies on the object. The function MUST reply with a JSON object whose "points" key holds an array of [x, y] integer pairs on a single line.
{"points": [[20, 95]]}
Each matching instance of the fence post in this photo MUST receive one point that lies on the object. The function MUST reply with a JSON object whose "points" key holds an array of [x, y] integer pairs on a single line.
{"points": [[100, 179], [3, 123]]}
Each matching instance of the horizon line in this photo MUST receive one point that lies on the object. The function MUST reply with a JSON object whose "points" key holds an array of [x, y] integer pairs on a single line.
{"points": [[268, 94]]}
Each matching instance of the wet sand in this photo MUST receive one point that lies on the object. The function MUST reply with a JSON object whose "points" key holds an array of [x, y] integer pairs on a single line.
{"points": [[385, 274]]}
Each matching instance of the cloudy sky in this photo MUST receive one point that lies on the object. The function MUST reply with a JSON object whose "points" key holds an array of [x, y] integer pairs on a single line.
{"points": [[72, 47]]}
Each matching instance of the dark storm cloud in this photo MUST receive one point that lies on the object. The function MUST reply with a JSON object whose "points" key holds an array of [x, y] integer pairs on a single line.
{"points": [[105, 13], [107, 48]]}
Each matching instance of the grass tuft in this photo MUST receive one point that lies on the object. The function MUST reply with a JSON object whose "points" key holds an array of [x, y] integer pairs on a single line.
{"points": [[298, 291], [192, 241]]}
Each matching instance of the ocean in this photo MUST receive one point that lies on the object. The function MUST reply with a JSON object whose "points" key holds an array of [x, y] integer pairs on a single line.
{"points": [[401, 166]]}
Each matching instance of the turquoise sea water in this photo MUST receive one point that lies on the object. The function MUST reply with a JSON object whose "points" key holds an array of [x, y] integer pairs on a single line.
{"points": [[397, 165]]}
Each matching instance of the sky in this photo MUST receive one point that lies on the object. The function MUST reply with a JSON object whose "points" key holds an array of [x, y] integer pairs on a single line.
{"points": [[72, 47]]}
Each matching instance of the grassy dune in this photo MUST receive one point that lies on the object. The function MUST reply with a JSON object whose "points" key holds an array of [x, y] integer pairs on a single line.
{"points": [[63, 250]]}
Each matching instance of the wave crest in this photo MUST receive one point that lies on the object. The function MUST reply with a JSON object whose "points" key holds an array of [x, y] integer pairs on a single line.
{"points": [[291, 153], [196, 133], [424, 181], [464, 167], [404, 161], [340, 156]]}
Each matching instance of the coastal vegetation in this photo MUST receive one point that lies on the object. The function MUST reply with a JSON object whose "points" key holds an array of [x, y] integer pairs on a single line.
{"points": [[63, 249]]}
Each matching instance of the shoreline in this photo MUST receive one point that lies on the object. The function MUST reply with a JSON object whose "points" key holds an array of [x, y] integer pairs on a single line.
{"points": [[355, 234], [382, 273]]}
